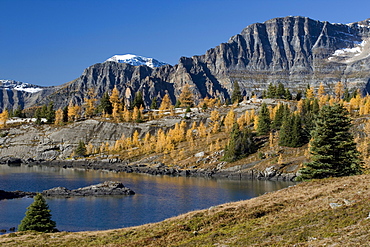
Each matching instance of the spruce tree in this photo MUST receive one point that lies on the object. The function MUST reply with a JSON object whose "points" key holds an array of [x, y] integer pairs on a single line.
{"points": [[154, 104], [333, 150], [297, 135], [280, 91], [138, 100], [285, 131], [288, 94], [65, 114], [50, 113], [279, 116], [271, 91], [237, 94], [298, 97], [264, 122], [240, 145], [18, 112], [81, 148], [292, 133], [38, 217], [105, 104]]}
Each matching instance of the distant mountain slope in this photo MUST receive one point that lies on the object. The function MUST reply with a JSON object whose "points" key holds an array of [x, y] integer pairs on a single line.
{"points": [[136, 60], [15, 93], [295, 51]]}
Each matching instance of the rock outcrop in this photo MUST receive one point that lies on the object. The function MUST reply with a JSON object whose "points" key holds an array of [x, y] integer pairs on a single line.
{"points": [[102, 189], [49, 142]]}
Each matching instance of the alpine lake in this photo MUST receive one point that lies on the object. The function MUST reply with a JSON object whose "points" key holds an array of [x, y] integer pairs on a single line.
{"points": [[156, 198]]}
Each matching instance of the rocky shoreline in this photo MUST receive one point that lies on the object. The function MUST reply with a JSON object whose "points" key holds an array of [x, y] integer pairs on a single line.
{"points": [[239, 172], [102, 189]]}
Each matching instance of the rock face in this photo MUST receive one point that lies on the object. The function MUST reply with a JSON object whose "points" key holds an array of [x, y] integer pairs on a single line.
{"points": [[49, 142], [102, 189], [295, 51]]}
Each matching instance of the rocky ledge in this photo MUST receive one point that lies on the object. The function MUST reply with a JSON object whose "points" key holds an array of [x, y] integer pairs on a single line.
{"points": [[103, 189]]}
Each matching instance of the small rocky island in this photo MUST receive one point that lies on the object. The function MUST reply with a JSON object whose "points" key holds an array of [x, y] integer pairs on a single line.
{"points": [[103, 189]]}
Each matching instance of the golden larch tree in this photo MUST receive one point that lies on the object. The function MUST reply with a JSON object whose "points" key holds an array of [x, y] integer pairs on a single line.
{"points": [[339, 90], [90, 103], [4, 116], [58, 117], [229, 120], [73, 112], [321, 90], [166, 103], [186, 97]]}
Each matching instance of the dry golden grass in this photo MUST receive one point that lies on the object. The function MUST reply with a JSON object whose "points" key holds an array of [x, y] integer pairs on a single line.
{"points": [[296, 216]]}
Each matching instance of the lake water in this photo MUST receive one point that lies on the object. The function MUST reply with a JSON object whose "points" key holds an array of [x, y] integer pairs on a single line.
{"points": [[156, 198]]}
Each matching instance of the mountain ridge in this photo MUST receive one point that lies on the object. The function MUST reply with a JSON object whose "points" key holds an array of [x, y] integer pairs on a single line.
{"points": [[296, 51]]}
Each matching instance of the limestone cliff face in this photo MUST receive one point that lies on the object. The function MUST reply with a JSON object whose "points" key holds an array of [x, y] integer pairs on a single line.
{"points": [[293, 50]]}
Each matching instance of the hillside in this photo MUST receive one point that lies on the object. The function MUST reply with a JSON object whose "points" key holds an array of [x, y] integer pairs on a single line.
{"points": [[327, 212]]}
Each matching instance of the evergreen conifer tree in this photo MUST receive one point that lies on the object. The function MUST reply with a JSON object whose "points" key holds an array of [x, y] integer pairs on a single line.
{"points": [[240, 145], [18, 112], [237, 94], [298, 97], [333, 150], [154, 104], [138, 100], [38, 217], [297, 135], [105, 104], [50, 113], [288, 94], [279, 116], [285, 131], [264, 121], [65, 114], [81, 148], [271, 91], [280, 91]]}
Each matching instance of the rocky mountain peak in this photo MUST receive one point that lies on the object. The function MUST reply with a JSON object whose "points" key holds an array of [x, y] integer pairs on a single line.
{"points": [[136, 60]]}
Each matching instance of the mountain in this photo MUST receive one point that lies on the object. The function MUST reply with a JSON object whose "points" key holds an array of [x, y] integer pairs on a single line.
{"points": [[19, 86], [293, 50], [15, 93], [136, 60]]}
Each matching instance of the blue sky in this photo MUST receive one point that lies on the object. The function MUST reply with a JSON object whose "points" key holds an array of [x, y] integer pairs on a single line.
{"points": [[51, 42]]}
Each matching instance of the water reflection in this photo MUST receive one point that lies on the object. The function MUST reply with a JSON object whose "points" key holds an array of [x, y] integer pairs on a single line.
{"points": [[157, 197]]}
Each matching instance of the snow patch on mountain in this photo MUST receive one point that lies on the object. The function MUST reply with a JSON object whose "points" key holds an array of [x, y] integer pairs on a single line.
{"points": [[360, 50], [136, 60], [19, 86]]}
